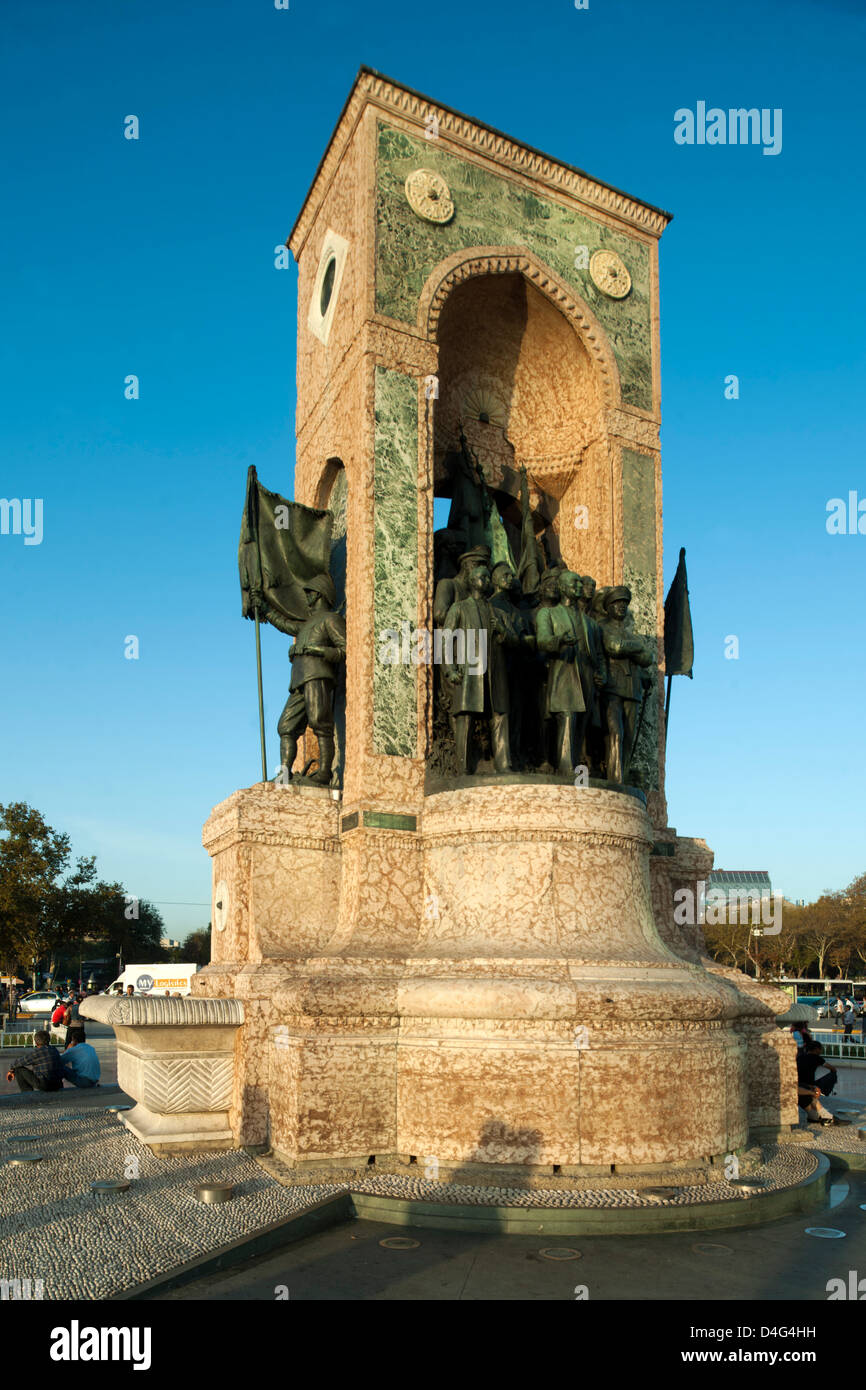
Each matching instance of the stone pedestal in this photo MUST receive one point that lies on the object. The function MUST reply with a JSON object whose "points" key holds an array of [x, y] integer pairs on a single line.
{"points": [[175, 1057], [485, 984]]}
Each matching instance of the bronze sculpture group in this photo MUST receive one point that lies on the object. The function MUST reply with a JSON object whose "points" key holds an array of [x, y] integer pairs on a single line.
{"points": [[565, 676], [541, 671]]}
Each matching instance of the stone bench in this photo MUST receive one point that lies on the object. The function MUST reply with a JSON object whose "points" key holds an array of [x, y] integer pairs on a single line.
{"points": [[175, 1058]]}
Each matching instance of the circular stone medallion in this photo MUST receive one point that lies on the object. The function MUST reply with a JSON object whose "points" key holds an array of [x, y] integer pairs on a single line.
{"points": [[221, 905], [825, 1232], [610, 273], [399, 1243], [560, 1252], [429, 196]]}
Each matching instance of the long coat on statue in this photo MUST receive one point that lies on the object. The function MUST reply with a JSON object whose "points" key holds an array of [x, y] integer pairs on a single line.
{"points": [[476, 616], [564, 694]]}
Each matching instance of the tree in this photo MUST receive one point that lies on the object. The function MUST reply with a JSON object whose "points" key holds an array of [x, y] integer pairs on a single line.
{"points": [[52, 909], [196, 948], [35, 899]]}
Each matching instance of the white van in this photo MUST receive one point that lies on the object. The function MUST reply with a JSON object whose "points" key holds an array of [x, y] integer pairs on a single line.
{"points": [[155, 979]]}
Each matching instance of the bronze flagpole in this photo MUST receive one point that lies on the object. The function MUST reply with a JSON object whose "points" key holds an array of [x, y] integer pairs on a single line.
{"points": [[261, 698], [253, 480]]}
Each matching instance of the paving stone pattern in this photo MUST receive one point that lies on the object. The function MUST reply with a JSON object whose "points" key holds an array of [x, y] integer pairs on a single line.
{"points": [[84, 1246]]}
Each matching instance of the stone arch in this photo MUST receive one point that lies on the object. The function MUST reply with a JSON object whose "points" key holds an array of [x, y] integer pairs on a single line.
{"points": [[561, 357], [508, 260]]}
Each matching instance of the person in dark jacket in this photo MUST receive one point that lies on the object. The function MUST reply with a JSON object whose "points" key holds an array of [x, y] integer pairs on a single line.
{"points": [[40, 1069]]}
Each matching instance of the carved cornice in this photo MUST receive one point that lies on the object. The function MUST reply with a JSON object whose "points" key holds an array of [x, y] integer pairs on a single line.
{"points": [[448, 839], [251, 835], [510, 260], [454, 128], [161, 1011]]}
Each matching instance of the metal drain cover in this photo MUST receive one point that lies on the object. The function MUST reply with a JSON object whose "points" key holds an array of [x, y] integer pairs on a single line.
{"points": [[825, 1232], [560, 1252], [705, 1248], [748, 1185], [26, 1158], [399, 1243], [215, 1191], [110, 1185], [22, 1139]]}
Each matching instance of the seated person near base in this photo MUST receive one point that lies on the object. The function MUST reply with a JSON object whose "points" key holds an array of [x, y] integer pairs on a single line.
{"points": [[80, 1062], [40, 1069], [808, 1062]]}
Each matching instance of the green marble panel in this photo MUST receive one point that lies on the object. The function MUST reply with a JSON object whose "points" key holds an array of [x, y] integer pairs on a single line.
{"points": [[639, 573], [492, 211], [395, 557]]}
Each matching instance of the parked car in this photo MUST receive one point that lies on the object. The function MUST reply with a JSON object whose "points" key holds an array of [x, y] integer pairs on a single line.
{"points": [[39, 1001]]}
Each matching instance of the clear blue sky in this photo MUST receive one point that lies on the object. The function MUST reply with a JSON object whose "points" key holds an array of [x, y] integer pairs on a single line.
{"points": [[156, 257]]}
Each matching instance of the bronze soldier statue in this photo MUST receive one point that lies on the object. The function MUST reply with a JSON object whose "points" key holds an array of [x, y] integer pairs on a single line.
{"points": [[557, 628], [519, 654], [449, 590], [479, 687], [320, 644], [592, 665], [629, 657]]}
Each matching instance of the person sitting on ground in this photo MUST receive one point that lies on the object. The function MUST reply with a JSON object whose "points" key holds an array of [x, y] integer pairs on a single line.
{"points": [[40, 1069], [808, 1062], [807, 1099], [80, 1061], [810, 1087]]}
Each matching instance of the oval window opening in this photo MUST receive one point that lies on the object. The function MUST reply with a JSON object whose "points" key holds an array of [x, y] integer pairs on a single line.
{"points": [[327, 285]]}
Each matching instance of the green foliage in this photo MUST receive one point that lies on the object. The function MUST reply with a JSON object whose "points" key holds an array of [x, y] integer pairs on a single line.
{"points": [[196, 948], [55, 911], [825, 939]]}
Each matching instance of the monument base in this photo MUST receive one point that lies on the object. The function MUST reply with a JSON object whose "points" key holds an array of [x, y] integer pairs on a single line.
{"points": [[481, 982]]}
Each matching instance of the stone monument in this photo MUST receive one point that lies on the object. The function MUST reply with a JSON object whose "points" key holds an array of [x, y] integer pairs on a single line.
{"points": [[476, 960]]}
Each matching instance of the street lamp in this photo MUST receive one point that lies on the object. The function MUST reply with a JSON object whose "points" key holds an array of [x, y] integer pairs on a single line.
{"points": [[757, 931]]}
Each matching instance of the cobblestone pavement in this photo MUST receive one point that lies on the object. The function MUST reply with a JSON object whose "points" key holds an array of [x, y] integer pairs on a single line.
{"points": [[86, 1246], [83, 1246]]}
